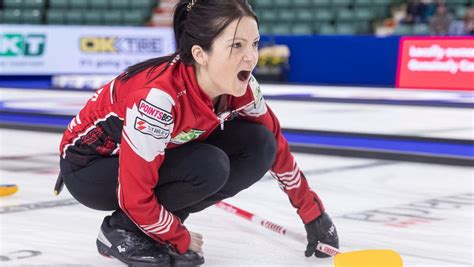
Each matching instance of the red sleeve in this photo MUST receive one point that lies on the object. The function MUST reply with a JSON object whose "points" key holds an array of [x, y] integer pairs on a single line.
{"points": [[147, 129], [284, 169]]}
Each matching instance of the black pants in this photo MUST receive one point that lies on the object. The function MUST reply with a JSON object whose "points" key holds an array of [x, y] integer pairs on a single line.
{"points": [[192, 177]]}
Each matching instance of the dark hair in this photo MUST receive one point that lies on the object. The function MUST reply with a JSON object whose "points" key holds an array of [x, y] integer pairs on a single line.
{"points": [[195, 22]]}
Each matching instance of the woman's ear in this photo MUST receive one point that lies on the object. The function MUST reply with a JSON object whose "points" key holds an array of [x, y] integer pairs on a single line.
{"points": [[199, 55]]}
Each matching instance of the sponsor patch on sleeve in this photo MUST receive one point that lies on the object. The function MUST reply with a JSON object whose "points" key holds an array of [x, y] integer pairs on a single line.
{"points": [[257, 93], [154, 112], [147, 128]]}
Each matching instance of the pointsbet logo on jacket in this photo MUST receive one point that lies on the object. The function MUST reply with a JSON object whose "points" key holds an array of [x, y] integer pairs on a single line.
{"points": [[155, 112], [29, 45]]}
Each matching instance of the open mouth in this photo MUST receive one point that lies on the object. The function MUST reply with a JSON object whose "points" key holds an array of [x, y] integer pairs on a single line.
{"points": [[244, 75]]}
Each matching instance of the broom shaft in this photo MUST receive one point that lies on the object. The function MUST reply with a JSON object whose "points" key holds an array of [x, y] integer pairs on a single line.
{"points": [[332, 251]]}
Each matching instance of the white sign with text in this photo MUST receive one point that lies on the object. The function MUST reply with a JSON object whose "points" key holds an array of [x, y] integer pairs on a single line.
{"points": [[50, 50]]}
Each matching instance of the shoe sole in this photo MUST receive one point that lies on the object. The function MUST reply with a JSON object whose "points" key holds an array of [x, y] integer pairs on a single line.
{"points": [[178, 260], [178, 263], [110, 253]]}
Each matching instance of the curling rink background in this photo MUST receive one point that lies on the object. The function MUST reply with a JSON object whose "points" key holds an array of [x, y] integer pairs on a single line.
{"points": [[422, 211]]}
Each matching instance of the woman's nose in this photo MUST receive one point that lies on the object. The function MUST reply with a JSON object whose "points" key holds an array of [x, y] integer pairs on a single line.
{"points": [[251, 55]]}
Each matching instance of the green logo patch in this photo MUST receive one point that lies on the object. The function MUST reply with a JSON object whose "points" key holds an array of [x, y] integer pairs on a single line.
{"points": [[185, 137], [31, 45]]}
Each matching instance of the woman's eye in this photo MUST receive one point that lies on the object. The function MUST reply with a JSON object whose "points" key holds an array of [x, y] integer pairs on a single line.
{"points": [[236, 45], [256, 43]]}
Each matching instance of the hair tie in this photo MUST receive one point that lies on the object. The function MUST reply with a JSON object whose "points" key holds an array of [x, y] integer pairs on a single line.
{"points": [[176, 58], [190, 5]]}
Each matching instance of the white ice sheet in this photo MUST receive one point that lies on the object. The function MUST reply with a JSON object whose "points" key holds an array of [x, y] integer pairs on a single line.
{"points": [[65, 235]]}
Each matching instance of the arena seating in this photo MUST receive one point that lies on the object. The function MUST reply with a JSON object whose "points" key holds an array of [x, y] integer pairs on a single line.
{"points": [[77, 12], [320, 16], [456, 7], [295, 17], [336, 16]]}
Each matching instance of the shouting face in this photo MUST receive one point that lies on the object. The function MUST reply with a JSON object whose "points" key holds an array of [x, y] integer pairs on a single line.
{"points": [[227, 67]]}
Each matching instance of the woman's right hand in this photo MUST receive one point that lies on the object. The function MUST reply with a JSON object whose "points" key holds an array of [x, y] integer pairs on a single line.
{"points": [[192, 257], [196, 242]]}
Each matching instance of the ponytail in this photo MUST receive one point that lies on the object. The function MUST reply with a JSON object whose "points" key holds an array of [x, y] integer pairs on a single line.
{"points": [[179, 18]]}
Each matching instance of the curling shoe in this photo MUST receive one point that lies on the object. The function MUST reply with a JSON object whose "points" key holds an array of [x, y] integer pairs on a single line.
{"points": [[134, 249], [188, 259]]}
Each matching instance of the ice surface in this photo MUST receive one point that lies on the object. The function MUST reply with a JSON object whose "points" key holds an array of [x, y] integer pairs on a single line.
{"points": [[64, 233], [422, 211]]}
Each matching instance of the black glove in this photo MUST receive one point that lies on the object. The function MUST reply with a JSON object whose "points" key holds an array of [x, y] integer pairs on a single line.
{"points": [[323, 230]]}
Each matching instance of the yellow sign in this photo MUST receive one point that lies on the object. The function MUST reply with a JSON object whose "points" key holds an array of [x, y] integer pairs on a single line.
{"points": [[98, 44]]}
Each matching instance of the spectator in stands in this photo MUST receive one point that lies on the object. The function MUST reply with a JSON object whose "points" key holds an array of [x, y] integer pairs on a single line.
{"points": [[464, 26], [441, 21], [429, 9], [457, 28], [414, 12], [469, 21]]}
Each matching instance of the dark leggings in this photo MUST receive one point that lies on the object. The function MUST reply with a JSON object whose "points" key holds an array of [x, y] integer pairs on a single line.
{"points": [[192, 177]]}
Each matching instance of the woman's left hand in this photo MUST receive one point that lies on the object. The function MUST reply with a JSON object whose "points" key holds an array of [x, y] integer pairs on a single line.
{"points": [[321, 230]]}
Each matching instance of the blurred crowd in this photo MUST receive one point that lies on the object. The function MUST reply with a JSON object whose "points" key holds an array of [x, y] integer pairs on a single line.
{"points": [[439, 18]]}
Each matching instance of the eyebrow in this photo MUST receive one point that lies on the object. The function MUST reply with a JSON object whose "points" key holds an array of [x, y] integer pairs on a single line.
{"points": [[238, 38]]}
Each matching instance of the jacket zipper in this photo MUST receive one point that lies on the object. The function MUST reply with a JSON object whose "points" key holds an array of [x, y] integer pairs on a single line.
{"points": [[232, 114]]}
